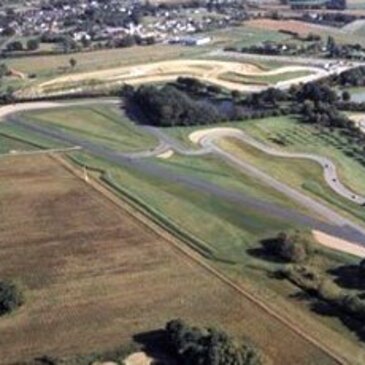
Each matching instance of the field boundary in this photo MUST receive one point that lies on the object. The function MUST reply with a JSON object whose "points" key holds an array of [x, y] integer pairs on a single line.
{"points": [[191, 254]]}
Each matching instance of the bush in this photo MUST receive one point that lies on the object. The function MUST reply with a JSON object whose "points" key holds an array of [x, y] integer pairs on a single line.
{"points": [[10, 297], [295, 247], [208, 346], [168, 106], [304, 276], [32, 44]]}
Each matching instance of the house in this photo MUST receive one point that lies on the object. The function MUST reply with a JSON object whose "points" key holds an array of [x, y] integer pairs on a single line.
{"points": [[195, 41]]}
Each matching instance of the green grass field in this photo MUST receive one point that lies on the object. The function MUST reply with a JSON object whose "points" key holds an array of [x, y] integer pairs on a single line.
{"points": [[9, 145], [105, 125], [298, 137], [306, 138], [216, 171], [247, 36], [301, 174], [228, 228]]}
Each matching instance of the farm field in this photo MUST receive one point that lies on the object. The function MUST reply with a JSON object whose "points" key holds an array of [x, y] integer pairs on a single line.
{"points": [[246, 36], [45, 66], [95, 276], [356, 4], [105, 125], [304, 28]]}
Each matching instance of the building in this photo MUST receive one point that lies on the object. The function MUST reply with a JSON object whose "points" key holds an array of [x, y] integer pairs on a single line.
{"points": [[190, 40], [194, 41], [318, 4]]}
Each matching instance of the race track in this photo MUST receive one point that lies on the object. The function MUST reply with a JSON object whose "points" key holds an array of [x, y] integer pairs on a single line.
{"points": [[331, 222]]}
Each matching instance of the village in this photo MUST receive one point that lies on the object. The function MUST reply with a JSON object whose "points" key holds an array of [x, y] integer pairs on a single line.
{"points": [[67, 26]]}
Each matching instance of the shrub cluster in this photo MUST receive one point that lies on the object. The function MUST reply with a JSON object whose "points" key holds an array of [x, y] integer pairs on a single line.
{"points": [[10, 297], [209, 346], [168, 106], [310, 280], [296, 247]]}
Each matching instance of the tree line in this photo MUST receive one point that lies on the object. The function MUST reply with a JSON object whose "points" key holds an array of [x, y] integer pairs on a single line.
{"points": [[337, 291]]}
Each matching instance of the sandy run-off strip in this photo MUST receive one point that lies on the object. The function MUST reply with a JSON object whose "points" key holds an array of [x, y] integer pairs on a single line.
{"points": [[205, 70], [338, 244], [359, 120], [166, 155], [138, 358]]}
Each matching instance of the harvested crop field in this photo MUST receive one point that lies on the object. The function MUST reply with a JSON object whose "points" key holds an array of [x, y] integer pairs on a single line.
{"points": [[94, 275], [288, 25]]}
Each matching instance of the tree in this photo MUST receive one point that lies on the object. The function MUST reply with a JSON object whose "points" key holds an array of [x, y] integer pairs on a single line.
{"points": [[33, 44], [209, 346], [294, 247], [331, 44], [14, 46], [4, 70], [8, 31], [127, 41], [362, 268], [346, 96], [73, 62], [67, 44], [86, 42], [10, 297], [235, 94]]}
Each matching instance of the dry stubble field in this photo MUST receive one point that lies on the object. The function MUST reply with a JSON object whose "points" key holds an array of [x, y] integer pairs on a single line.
{"points": [[94, 275]]}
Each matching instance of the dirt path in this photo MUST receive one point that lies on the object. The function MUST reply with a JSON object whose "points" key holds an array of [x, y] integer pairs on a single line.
{"points": [[339, 244]]}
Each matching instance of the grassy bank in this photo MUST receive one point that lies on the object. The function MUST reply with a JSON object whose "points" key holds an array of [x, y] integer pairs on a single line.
{"points": [[105, 125]]}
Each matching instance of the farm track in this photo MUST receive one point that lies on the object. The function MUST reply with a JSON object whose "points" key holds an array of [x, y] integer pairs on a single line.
{"points": [[191, 255]]}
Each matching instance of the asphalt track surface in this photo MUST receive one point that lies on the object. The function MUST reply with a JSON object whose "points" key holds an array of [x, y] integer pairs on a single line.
{"points": [[332, 223], [208, 145]]}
